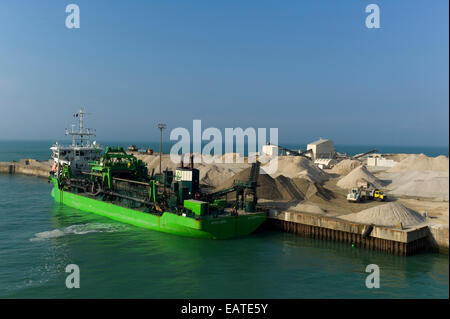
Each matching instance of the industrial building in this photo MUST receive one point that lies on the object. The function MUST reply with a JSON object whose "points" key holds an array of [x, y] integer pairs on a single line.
{"points": [[271, 150], [321, 149], [378, 160]]}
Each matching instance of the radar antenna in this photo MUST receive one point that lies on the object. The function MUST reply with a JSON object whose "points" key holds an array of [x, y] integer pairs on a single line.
{"points": [[82, 137]]}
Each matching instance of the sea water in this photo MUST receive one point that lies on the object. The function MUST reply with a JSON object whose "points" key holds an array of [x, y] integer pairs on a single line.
{"points": [[40, 150], [39, 238]]}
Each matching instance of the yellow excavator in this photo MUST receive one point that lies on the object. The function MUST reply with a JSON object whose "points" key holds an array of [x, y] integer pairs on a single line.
{"points": [[376, 194], [358, 194]]}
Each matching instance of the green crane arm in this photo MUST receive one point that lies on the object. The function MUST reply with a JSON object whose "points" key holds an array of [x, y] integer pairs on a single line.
{"points": [[225, 191]]}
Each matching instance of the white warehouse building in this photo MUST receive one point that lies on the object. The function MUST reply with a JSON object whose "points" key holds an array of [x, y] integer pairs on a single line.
{"points": [[378, 160], [322, 149], [271, 150]]}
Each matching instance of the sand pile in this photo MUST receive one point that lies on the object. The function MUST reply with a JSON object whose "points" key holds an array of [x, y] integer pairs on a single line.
{"points": [[233, 158], [287, 189], [152, 161], [213, 175], [282, 187], [210, 174], [307, 208], [433, 184], [345, 166], [359, 174], [390, 214], [299, 167], [421, 176], [267, 186], [421, 162], [311, 190], [305, 183], [396, 157]]}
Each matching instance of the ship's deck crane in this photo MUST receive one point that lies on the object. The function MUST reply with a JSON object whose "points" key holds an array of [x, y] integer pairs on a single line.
{"points": [[245, 190]]}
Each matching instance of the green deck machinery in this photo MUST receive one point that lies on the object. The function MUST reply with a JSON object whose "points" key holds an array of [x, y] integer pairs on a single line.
{"points": [[118, 176]]}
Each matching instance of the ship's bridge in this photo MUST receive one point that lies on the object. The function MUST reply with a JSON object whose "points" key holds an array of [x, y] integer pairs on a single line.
{"points": [[78, 154]]}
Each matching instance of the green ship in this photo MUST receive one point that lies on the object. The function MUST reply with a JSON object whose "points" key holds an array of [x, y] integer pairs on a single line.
{"points": [[117, 185]]}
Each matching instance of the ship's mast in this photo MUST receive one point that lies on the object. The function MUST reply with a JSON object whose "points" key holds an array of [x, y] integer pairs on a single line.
{"points": [[82, 137]]}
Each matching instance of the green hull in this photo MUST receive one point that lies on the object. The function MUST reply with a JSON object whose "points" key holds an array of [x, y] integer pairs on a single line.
{"points": [[222, 227]]}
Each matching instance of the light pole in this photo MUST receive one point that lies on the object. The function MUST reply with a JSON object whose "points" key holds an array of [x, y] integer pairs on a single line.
{"points": [[161, 127]]}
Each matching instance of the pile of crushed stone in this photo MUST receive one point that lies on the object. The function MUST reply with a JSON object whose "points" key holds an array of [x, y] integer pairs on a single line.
{"points": [[390, 214], [433, 184], [282, 187], [214, 174], [397, 157], [345, 166], [307, 208], [359, 174], [299, 167], [210, 174], [421, 162]]}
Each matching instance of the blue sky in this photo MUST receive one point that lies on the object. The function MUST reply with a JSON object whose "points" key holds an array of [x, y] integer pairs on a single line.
{"points": [[310, 68]]}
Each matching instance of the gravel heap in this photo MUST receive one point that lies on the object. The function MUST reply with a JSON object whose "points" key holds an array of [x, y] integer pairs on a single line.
{"points": [[359, 174], [390, 214]]}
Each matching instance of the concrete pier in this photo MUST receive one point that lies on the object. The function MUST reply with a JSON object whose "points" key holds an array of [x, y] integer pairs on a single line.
{"points": [[402, 242], [26, 167], [439, 237]]}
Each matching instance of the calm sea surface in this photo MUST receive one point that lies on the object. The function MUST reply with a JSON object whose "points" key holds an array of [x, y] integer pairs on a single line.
{"points": [[39, 238]]}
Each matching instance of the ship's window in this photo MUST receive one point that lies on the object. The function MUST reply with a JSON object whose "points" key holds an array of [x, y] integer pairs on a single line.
{"points": [[81, 153]]}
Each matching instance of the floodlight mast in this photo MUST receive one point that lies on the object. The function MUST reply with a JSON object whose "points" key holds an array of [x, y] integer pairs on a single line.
{"points": [[161, 127]]}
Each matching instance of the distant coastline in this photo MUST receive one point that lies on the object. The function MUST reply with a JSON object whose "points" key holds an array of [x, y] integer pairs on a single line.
{"points": [[39, 150]]}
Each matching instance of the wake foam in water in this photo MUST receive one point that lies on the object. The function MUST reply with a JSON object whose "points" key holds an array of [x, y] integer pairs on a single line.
{"points": [[79, 229]]}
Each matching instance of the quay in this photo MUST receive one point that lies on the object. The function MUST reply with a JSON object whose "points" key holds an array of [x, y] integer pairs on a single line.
{"points": [[26, 167], [401, 242]]}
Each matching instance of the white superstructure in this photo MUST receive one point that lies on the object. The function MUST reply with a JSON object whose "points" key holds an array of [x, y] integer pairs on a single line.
{"points": [[322, 149], [81, 151]]}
